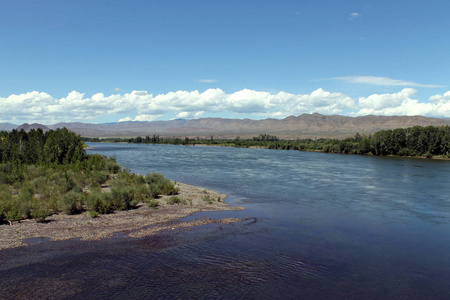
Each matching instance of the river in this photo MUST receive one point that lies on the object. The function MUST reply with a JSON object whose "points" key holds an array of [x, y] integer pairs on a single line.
{"points": [[323, 226]]}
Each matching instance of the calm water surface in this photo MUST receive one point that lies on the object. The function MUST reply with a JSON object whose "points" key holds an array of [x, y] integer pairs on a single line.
{"points": [[324, 226]]}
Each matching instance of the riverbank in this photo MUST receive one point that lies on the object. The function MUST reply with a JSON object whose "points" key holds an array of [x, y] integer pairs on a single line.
{"points": [[139, 222]]}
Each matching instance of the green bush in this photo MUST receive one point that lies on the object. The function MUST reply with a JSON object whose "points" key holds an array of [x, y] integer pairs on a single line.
{"points": [[175, 200], [98, 177], [153, 203], [112, 166], [40, 211], [168, 188], [154, 190], [71, 203], [10, 208], [93, 214], [207, 199], [99, 202], [13, 214], [160, 185], [153, 177], [123, 198], [142, 192]]}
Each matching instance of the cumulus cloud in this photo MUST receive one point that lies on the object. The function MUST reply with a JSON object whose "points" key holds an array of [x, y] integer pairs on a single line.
{"points": [[143, 106], [441, 98], [402, 103], [147, 117], [189, 115], [127, 119], [141, 118], [384, 81]]}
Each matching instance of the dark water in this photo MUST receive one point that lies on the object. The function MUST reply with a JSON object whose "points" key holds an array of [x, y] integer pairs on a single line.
{"points": [[324, 227]]}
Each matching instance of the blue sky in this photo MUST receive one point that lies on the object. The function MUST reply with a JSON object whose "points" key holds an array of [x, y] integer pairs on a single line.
{"points": [[105, 61]]}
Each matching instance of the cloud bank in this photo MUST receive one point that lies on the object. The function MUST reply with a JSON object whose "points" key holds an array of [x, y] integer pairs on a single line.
{"points": [[142, 106]]}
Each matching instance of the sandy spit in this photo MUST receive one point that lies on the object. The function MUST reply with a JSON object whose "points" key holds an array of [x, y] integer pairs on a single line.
{"points": [[139, 222]]}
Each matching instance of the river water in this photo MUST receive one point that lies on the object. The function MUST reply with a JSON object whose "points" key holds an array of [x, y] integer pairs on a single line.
{"points": [[322, 226]]}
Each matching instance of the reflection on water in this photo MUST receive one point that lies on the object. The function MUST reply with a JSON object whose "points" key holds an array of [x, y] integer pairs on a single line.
{"points": [[325, 226]]}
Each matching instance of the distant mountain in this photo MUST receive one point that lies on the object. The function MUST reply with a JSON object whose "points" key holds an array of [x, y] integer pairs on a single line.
{"points": [[28, 127], [293, 127], [7, 126]]}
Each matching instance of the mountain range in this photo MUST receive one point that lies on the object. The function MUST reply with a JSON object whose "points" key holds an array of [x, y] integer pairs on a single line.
{"points": [[293, 127]]}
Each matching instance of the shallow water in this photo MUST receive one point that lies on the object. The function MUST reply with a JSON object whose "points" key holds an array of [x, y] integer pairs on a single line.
{"points": [[323, 226]]}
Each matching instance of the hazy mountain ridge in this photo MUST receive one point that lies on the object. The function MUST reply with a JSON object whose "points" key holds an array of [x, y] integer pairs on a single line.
{"points": [[292, 127]]}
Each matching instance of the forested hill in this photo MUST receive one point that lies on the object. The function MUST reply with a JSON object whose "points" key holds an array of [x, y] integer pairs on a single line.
{"points": [[293, 127]]}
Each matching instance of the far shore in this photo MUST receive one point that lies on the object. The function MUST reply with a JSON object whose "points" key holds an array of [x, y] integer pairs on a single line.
{"points": [[435, 157], [140, 222]]}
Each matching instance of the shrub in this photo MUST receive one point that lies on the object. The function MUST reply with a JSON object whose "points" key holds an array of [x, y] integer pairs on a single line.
{"points": [[40, 186], [77, 189], [98, 177], [154, 190], [112, 166], [168, 188], [40, 212], [153, 203], [142, 192], [33, 171], [76, 178], [10, 209], [153, 177], [71, 203], [123, 198], [93, 214], [99, 202], [13, 214], [207, 199], [160, 185], [175, 200]]}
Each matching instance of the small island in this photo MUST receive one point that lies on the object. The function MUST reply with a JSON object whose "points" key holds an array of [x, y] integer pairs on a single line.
{"points": [[50, 188]]}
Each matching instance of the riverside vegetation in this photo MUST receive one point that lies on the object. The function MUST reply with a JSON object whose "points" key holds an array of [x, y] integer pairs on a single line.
{"points": [[417, 141], [46, 173]]}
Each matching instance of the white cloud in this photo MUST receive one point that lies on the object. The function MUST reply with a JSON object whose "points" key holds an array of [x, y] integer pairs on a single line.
{"points": [[384, 81], [354, 15], [441, 98], [146, 117], [127, 119], [143, 106], [401, 103], [189, 115], [117, 90], [384, 101], [207, 80]]}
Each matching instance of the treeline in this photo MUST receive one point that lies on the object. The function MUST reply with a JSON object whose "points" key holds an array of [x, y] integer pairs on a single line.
{"points": [[416, 141], [46, 173], [36, 147], [426, 141]]}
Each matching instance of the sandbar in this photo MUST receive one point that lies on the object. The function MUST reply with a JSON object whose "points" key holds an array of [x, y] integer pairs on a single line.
{"points": [[140, 222]]}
